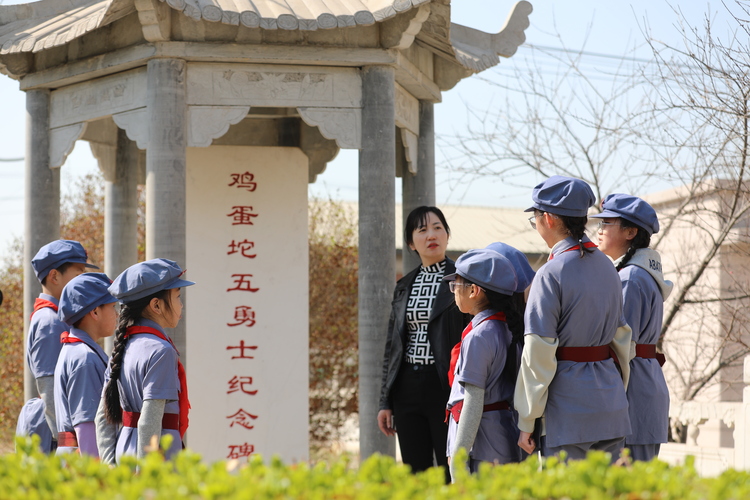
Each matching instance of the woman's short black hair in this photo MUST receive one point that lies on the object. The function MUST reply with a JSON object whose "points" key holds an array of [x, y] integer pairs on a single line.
{"points": [[418, 218]]}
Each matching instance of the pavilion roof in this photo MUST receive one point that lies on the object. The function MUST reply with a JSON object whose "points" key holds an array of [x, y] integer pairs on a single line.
{"points": [[42, 25]]}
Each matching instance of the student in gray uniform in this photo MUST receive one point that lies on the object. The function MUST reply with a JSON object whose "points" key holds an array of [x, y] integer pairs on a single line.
{"points": [[146, 391], [480, 415], [55, 264], [573, 320], [88, 309], [624, 236]]}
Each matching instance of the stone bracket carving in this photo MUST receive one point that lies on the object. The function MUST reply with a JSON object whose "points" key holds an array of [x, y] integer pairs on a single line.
{"points": [[106, 156], [207, 123], [411, 145], [399, 32], [407, 110], [156, 19], [344, 125], [135, 124], [61, 142], [318, 149]]}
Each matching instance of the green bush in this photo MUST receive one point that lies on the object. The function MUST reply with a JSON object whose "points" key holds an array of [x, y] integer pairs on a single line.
{"points": [[30, 475]]}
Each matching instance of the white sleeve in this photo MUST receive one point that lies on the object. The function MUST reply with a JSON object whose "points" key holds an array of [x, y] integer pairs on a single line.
{"points": [[468, 424], [538, 368], [149, 424]]}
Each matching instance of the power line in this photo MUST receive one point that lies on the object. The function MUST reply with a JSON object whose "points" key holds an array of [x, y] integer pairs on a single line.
{"points": [[587, 53], [10, 160]]}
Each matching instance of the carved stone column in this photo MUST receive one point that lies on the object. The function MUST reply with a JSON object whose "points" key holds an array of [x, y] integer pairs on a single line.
{"points": [[165, 169], [42, 205], [121, 212], [377, 246], [419, 189]]}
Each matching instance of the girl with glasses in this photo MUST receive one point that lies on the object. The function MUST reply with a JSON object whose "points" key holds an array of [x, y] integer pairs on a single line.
{"points": [[573, 321], [624, 236]]}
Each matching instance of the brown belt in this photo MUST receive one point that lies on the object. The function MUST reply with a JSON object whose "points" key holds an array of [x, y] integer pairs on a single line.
{"points": [[67, 439], [648, 351], [584, 354], [455, 410], [170, 421]]}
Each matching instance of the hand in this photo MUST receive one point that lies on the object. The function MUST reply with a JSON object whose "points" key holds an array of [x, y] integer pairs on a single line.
{"points": [[385, 422], [526, 442]]}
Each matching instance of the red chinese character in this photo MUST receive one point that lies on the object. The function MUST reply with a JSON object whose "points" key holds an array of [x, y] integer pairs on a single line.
{"points": [[239, 383], [240, 451], [242, 215], [243, 314], [244, 181], [243, 247], [242, 347], [243, 283], [242, 418]]}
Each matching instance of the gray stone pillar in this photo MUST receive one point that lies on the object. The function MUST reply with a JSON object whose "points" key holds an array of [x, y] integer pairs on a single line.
{"points": [[42, 206], [377, 247], [419, 189], [121, 213], [165, 169]]}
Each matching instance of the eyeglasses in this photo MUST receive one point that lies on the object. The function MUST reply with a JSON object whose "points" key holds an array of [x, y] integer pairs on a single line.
{"points": [[452, 285], [532, 219], [600, 226]]}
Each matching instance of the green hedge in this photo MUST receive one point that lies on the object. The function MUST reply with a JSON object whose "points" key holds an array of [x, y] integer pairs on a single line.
{"points": [[30, 475]]}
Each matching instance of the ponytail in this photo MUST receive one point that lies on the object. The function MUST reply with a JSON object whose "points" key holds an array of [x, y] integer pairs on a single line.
{"points": [[576, 227], [642, 240], [509, 305], [129, 314]]}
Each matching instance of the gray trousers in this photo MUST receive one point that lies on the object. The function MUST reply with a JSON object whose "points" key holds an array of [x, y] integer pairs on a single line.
{"points": [[577, 451]]}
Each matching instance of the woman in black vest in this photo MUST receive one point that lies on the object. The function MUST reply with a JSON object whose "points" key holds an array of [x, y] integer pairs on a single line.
{"points": [[424, 326]]}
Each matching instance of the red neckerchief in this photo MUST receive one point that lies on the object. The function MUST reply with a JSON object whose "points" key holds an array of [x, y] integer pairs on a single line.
{"points": [[65, 338], [41, 304], [183, 394], [588, 244], [457, 348]]}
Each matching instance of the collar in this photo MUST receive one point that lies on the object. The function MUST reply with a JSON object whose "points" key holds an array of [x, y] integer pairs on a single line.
{"points": [[566, 244], [151, 324], [438, 267], [52, 299], [86, 339], [481, 316]]}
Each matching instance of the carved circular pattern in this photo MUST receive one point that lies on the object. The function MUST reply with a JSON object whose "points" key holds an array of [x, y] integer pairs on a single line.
{"points": [[288, 22], [402, 5], [250, 18], [211, 13], [327, 21], [177, 4], [364, 18]]}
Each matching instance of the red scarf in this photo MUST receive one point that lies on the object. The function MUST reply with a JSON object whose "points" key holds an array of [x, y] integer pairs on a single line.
{"points": [[457, 348], [41, 304], [65, 338], [183, 394], [588, 244]]}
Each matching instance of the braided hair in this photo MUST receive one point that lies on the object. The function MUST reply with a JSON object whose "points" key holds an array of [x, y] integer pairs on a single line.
{"points": [[509, 305], [576, 227], [129, 314], [642, 240]]}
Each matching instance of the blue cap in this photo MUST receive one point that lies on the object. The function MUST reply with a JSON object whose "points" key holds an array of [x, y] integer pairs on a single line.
{"points": [[524, 273], [55, 254], [488, 269], [83, 294], [630, 208], [147, 278], [564, 196]]}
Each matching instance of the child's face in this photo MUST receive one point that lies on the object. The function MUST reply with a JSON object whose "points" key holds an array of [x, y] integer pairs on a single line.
{"points": [[174, 313], [461, 293], [109, 319]]}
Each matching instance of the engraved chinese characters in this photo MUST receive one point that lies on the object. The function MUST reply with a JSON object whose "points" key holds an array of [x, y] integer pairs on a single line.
{"points": [[247, 327], [242, 215]]}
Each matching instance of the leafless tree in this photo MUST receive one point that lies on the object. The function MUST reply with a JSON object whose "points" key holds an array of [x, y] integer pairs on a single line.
{"points": [[680, 119]]}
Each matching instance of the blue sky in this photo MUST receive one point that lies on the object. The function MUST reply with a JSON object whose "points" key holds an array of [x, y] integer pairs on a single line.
{"points": [[603, 26]]}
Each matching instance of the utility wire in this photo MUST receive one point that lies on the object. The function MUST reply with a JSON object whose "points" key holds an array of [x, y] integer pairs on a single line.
{"points": [[10, 160]]}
